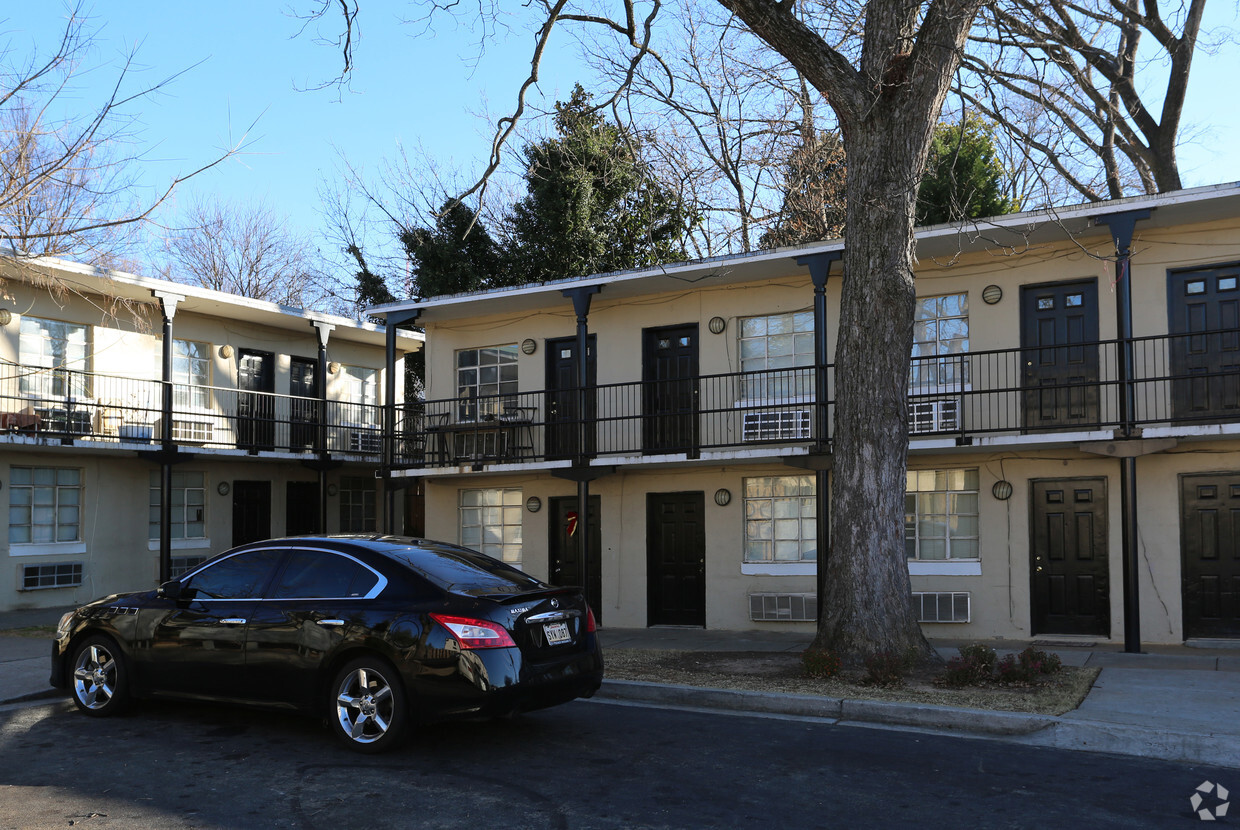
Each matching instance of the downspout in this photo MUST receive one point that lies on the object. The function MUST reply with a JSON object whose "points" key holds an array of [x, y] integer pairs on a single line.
{"points": [[819, 270], [1122, 226], [320, 433], [581, 298], [168, 310]]}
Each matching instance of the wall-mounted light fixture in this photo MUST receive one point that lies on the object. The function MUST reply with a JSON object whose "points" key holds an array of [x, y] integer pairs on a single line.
{"points": [[992, 294], [6, 316], [333, 368], [223, 488], [1002, 490], [529, 345], [533, 504], [717, 325], [226, 351], [723, 497], [331, 490]]}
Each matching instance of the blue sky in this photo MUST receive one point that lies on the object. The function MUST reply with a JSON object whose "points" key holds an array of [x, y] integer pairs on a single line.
{"points": [[406, 90]]}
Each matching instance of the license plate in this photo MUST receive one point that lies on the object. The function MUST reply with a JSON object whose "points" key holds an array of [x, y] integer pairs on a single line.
{"points": [[557, 633]]}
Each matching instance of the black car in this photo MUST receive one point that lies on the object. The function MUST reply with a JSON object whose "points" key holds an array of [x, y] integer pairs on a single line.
{"points": [[371, 632]]}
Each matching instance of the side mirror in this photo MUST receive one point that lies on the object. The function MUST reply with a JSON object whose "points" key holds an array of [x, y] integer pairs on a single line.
{"points": [[170, 590]]}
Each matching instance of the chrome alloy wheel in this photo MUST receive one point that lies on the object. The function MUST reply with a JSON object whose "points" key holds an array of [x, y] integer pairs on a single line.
{"points": [[364, 705], [95, 676]]}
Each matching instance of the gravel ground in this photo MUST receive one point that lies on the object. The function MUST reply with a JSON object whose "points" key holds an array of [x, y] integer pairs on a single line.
{"points": [[781, 672]]}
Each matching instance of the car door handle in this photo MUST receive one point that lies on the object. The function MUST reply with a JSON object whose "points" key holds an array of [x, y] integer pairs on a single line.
{"points": [[330, 622], [232, 621]]}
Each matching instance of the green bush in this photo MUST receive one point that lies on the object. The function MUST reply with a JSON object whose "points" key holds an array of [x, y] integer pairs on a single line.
{"points": [[820, 663], [974, 667]]}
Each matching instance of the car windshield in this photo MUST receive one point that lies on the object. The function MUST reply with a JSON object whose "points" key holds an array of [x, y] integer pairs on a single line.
{"points": [[464, 571]]}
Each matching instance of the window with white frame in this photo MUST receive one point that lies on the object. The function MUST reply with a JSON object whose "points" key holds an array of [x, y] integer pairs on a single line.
{"points": [[357, 504], [940, 341], [780, 519], [45, 505], [486, 379], [61, 351], [773, 343], [191, 374], [189, 505], [360, 394], [940, 515], [491, 522]]}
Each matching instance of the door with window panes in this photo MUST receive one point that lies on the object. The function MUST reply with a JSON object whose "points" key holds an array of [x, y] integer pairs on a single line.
{"points": [[1204, 310]]}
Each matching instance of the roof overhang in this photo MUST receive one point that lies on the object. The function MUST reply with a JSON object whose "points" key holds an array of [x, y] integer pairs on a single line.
{"points": [[1014, 231]]}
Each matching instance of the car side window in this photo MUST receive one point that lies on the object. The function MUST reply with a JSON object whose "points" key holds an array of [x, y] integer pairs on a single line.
{"points": [[316, 574], [243, 576]]}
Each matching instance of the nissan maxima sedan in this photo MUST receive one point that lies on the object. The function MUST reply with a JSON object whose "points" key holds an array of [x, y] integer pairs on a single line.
{"points": [[372, 633]]}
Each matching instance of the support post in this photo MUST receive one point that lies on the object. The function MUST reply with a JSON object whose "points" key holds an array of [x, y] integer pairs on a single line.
{"points": [[320, 433], [1122, 226], [168, 310], [581, 298], [394, 320]]}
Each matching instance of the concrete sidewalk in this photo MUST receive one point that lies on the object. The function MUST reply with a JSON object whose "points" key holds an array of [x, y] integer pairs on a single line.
{"points": [[1173, 702]]}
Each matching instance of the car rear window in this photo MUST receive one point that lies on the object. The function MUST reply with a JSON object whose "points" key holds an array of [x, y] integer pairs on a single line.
{"points": [[464, 571]]}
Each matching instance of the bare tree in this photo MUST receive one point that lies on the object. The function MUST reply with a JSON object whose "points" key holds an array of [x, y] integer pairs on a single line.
{"points": [[1098, 125], [68, 184], [245, 250]]}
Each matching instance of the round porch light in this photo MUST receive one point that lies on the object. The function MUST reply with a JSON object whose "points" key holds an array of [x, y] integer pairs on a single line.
{"points": [[529, 345], [1002, 490], [992, 294], [533, 504], [717, 325], [723, 497]]}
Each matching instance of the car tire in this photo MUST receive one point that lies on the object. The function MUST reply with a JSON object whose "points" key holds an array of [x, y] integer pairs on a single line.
{"points": [[99, 677], [367, 707]]}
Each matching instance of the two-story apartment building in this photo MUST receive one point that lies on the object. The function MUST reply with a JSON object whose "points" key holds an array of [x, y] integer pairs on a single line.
{"points": [[1074, 417], [120, 395]]}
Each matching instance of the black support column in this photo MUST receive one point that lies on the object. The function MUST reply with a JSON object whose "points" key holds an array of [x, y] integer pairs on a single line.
{"points": [[323, 330], [168, 310], [581, 298], [819, 269], [1122, 226], [395, 320]]}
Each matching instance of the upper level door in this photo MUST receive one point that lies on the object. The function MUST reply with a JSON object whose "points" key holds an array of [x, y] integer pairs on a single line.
{"points": [[1059, 354], [566, 428], [1204, 310], [670, 389], [256, 427], [304, 406]]}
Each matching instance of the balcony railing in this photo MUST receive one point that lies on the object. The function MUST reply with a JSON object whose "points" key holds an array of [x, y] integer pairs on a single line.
{"points": [[42, 403], [1177, 379]]}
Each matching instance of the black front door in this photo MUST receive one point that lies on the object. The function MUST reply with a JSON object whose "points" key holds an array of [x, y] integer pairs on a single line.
{"points": [[251, 511], [670, 389], [564, 423], [1204, 309], [676, 559], [1210, 553], [304, 409], [256, 426], [301, 508], [565, 549], [1068, 555], [1059, 354]]}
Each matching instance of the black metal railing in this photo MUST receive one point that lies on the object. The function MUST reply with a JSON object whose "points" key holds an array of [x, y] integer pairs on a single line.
{"points": [[41, 403]]}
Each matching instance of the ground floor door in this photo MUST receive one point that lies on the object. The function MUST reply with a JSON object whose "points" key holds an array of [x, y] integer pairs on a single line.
{"points": [[565, 551], [1210, 554], [676, 559], [301, 508], [1068, 555], [251, 511]]}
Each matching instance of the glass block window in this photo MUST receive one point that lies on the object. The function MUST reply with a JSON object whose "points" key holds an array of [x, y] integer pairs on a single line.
{"points": [[62, 575], [491, 522], [780, 519], [61, 351], [191, 374], [940, 341], [357, 504], [45, 505], [189, 505], [778, 342], [487, 379], [940, 515], [360, 395]]}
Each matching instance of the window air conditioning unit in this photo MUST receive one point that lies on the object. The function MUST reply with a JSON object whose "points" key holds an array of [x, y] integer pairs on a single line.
{"points": [[778, 425], [364, 442], [934, 415]]}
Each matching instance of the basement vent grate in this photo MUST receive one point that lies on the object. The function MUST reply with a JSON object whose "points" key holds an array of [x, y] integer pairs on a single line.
{"points": [[942, 607], [783, 607]]}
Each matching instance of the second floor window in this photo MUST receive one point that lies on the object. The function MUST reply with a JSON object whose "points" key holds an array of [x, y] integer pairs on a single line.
{"points": [[783, 342], [45, 505], [189, 505], [940, 342], [58, 355], [361, 394], [485, 378], [191, 374]]}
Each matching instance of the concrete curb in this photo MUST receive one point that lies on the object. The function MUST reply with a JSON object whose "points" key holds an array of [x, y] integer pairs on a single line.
{"points": [[1125, 739]]}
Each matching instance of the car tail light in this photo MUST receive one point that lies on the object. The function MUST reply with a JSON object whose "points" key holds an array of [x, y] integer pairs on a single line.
{"points": [[591, 625], [472, 633]]}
